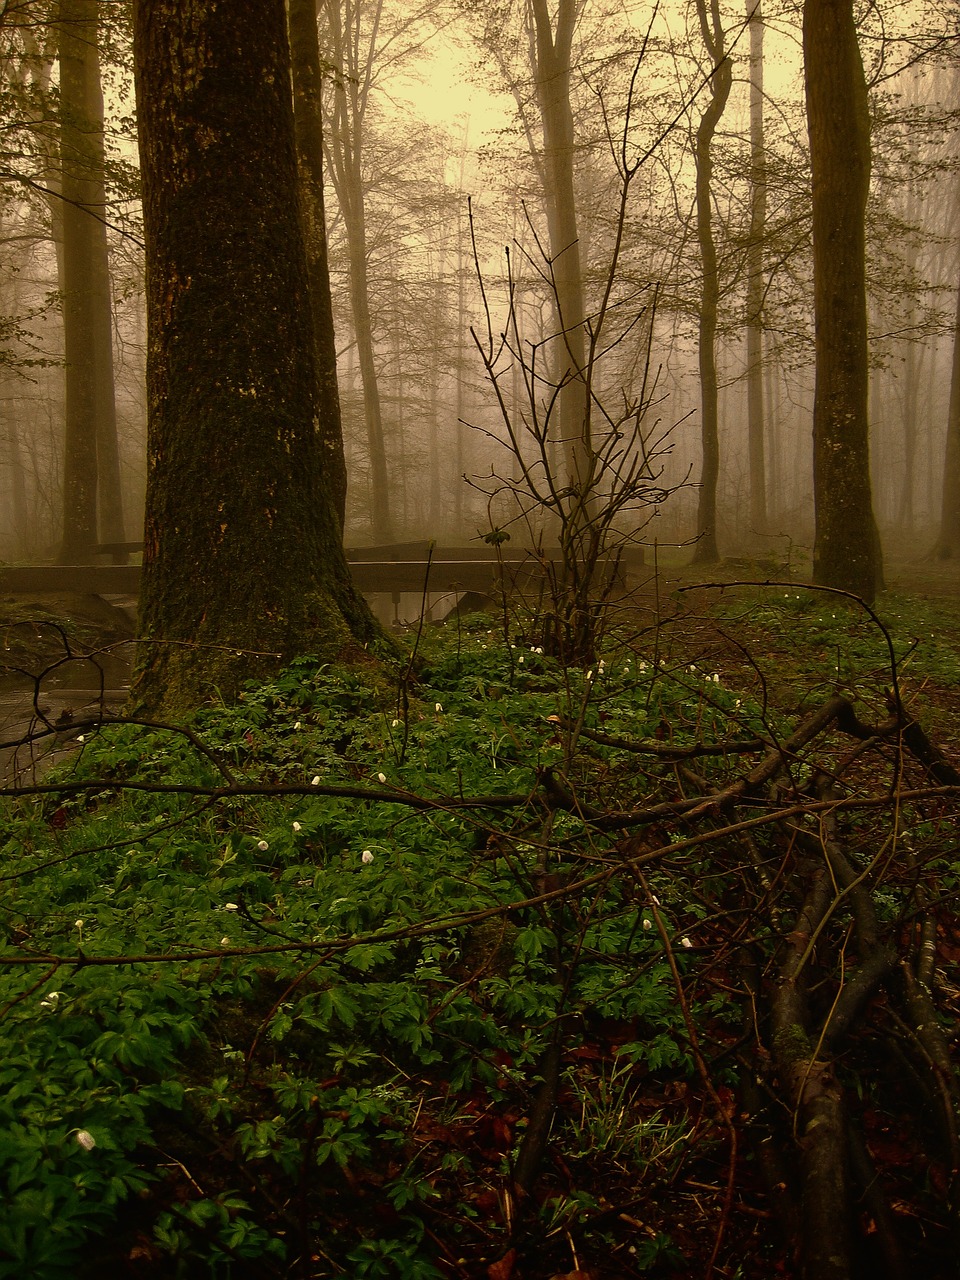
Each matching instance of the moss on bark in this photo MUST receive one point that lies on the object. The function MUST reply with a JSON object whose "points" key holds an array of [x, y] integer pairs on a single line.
{"points": [[243, 559]]}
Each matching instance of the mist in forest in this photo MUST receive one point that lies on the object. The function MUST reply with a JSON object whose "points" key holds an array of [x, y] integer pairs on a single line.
{"points": [[508, 201]]}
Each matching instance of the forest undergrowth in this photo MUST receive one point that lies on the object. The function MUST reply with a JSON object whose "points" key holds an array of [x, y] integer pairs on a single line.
{"points": [[490, 968]]}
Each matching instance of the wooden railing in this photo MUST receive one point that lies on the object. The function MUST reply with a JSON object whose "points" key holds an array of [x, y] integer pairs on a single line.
{"points": [[394, 569]]}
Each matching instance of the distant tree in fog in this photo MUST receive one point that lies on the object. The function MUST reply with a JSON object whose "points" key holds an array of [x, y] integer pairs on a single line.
{"points": [[92, 501], [307, 70], [720, 79], [948, 542]]}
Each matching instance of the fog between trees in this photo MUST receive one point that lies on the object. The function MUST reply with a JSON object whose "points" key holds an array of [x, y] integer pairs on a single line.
{"points": [[418, 412]]}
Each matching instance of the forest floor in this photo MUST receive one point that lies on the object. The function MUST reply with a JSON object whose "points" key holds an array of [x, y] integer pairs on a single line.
{"points": [[655, 1170]]}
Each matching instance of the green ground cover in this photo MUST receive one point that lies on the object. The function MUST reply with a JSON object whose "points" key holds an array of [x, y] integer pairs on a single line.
{"points": [[444, 971]]}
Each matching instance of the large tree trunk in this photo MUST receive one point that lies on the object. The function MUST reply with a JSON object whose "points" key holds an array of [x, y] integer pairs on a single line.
{"points": [[711, 28], [308, 118], [847, 546], [755, 291], [243, 560]]}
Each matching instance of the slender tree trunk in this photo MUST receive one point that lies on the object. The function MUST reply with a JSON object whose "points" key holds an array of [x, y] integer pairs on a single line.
{"points": [[948, 543], [771, 402], [13, 459], [707, 549], [910, 429], [847, 545], [92, 481], [553, 49], [756, 428], [459, 465], [344, 143], [243, 557], [77, 30], [109, 482], [308, 118]]}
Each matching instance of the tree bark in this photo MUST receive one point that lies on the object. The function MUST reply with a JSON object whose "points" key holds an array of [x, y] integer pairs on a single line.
{"points": [[243, 558], [308, 119], [758, 215], [552, 72], [847, 545], [344, 143], [948, 543], [711, 28], [91, 459]]}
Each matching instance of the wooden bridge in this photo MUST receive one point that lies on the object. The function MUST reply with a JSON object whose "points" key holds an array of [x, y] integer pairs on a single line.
{"points": [[396, 569]]}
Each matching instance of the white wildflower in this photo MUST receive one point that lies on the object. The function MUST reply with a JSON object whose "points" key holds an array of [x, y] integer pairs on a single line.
{"points": [[296, 724], [224, 942], [315, 780], [262, 846], [381, 777], [86, 1139], [296, 827], [51, 1000], [589, 675], [685, 942], [80, 737], [439, 706], [394, 724], [366, 857], [230, 906], [648, 924]]}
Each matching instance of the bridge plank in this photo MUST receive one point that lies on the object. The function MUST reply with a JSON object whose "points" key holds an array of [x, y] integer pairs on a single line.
{"points": [[389, 575]]}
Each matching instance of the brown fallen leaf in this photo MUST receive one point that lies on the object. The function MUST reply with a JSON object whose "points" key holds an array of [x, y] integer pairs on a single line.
{"points": [[503, 1269]]}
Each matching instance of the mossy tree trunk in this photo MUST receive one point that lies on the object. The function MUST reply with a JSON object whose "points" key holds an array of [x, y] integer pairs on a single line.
{"points": [[847, 545], [243, 559]]}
